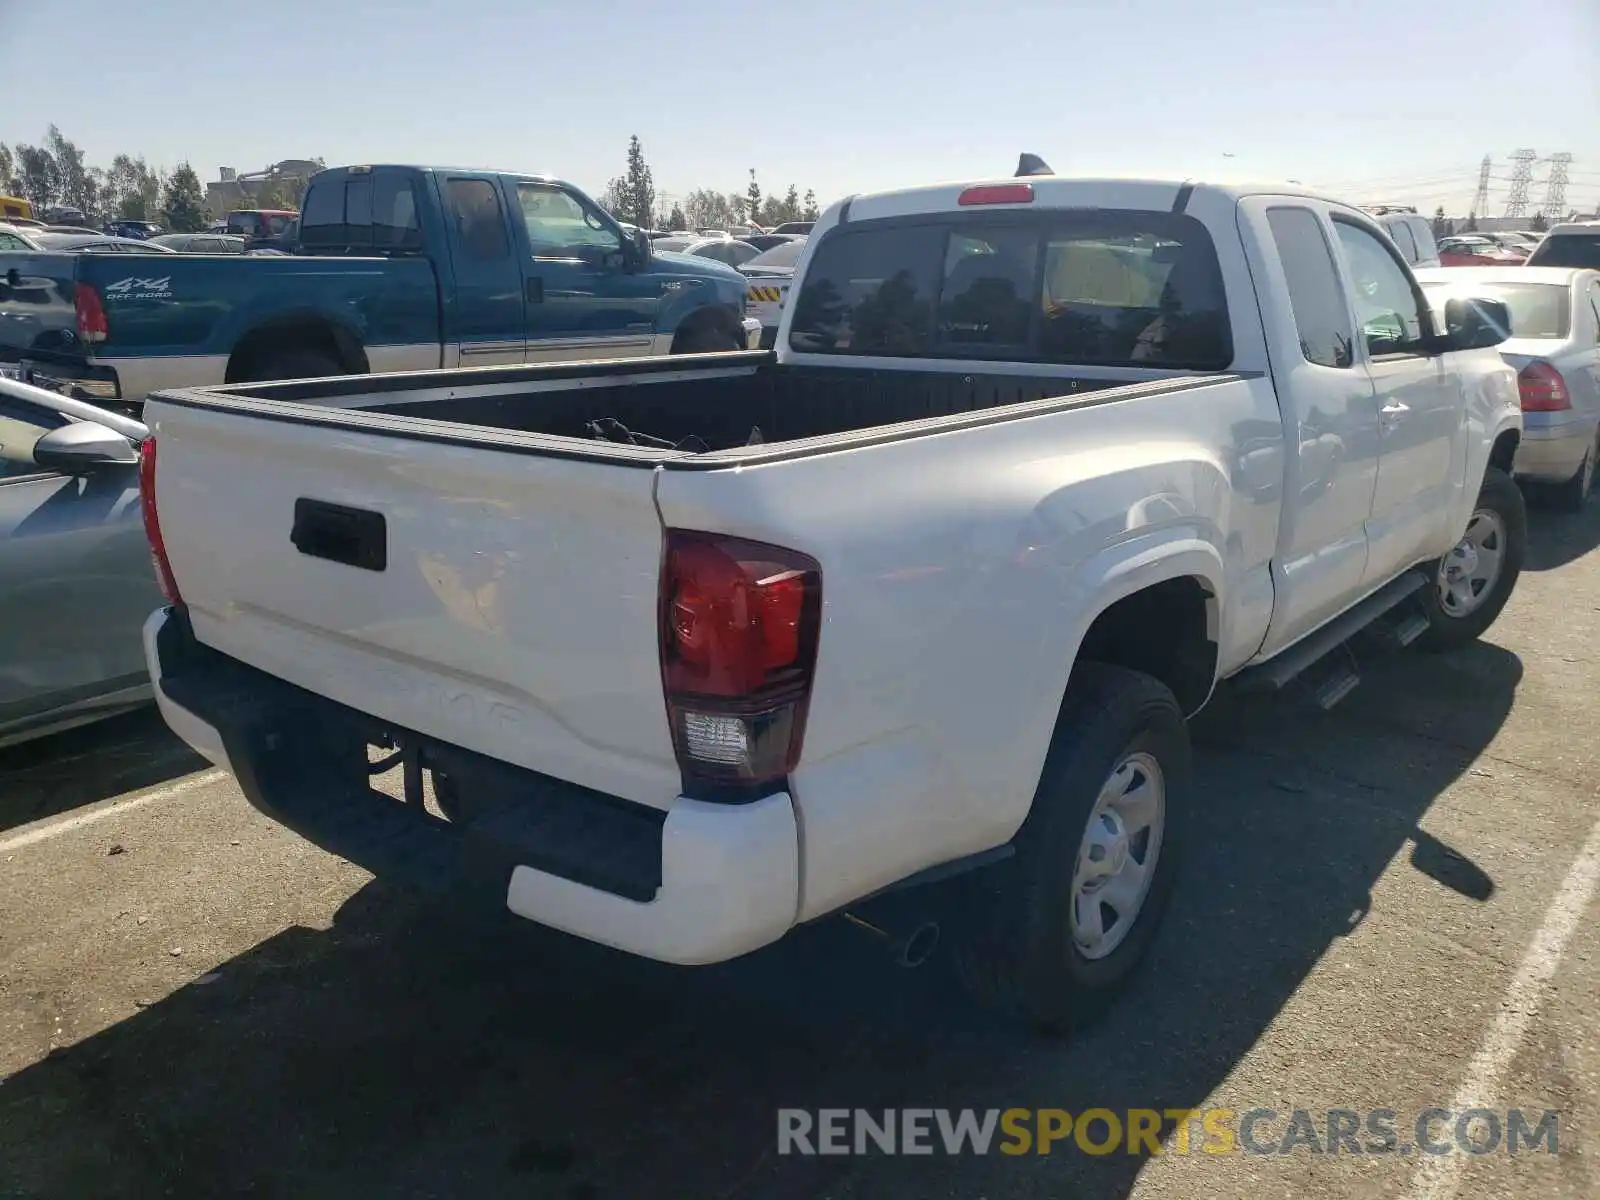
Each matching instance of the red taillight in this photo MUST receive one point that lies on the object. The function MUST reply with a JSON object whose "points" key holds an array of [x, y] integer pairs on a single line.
{"points": [[997, 193], [738, 629], [152, 522], [1543, 389], [91, 313]]}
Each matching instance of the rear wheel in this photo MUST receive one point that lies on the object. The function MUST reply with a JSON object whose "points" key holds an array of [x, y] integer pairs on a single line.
{"points": [[1472, 583], [293, 362], [1053, 934], [1572, 495], [705, 338]]}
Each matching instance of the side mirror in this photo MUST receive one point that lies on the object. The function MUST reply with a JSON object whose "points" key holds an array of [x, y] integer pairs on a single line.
{"points": [[82, 447], [637, 250], [1476, 323]]}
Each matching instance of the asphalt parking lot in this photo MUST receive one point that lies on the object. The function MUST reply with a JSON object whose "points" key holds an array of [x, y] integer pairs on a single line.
{"points": [[1391, 906]]}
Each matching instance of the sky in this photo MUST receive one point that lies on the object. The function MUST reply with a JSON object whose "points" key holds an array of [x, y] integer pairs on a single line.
{"points": [[1375, 102]]}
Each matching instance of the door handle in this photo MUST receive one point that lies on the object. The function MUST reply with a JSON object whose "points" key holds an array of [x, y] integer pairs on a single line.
{"points": [[1394, 410], [534, 290]]}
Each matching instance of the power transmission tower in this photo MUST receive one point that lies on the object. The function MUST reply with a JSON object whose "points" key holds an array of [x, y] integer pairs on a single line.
{"points": [[1555, 189], [1521, 176], [1480, 199]]}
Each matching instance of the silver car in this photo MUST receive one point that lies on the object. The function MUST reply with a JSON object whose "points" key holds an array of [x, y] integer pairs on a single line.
{"points": [[75, 578], [1555, 346]]}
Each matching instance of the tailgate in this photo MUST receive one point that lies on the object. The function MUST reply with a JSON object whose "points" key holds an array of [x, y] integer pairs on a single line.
{"points": [[765, 297], [496, 600]]}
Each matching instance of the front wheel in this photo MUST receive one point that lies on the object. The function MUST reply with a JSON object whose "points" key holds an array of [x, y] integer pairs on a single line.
{"points": [[1472, 583], [1053, 934]]}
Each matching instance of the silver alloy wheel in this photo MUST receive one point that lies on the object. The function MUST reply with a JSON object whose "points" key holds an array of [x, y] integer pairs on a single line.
{"points": [[1467, 574], [1117, 857]]}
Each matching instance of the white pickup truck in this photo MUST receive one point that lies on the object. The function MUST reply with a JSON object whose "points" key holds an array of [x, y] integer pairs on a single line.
{"points": [[678, 654]]}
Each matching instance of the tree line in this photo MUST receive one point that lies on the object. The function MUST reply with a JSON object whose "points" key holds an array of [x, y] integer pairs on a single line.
{"points": [[54, 174], [632, 197]]}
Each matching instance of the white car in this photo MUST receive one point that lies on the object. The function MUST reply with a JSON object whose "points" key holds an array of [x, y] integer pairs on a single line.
{"points": [[1413, 234], [1555, 347], [13, 238], [771, 273], [723, 249], [1571, 244], [696, 652]]}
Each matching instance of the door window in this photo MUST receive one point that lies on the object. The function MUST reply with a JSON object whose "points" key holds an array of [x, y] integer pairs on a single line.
{"points": [[1400, 231], [559, 226], [480, 224], [1390, 311], [1321, 316]]}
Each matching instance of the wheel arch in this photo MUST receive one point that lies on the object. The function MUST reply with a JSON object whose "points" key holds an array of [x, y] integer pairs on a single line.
{"points": [[302, 330]]}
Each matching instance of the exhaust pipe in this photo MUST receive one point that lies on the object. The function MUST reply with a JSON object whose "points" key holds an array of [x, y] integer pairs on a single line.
{"points": [[910, 948]]}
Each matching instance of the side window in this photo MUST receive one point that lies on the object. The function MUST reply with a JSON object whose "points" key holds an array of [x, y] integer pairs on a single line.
{"points": [[1400, 231], [10, 241], [1321, 316], [988, 293], [558, 225], [21, 425], [480, 225], [1389, 311], [394, 213], [357, 211]]}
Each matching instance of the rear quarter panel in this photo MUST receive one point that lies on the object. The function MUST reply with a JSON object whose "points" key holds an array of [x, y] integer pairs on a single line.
{"points": [[203, 305], [960, 573]]}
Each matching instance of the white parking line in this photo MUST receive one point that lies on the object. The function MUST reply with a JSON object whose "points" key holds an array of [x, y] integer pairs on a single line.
{"points": [[51, 827], [1436, 1178]]}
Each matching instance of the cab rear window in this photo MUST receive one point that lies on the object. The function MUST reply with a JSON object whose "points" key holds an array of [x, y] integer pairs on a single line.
{"points": [[1114, 288], [1568, 250]]}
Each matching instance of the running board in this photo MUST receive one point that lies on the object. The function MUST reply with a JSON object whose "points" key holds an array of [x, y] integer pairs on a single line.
{"points": [[1273, 674]]}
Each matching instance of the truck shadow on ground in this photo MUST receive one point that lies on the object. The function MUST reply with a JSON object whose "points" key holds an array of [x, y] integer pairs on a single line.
{"points": [[1557, 538], [405, 1052], [123, 754]]}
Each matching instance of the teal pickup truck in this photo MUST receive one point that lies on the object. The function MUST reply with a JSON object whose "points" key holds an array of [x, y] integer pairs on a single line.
{"points": [[396, 269]]}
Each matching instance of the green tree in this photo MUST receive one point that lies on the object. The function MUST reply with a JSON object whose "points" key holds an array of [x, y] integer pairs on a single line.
{"points": [[676, 220], [36, 171], [1540, 222], [270, 195], [706, 209], [615, 198], [752, 199], [639, 187], [74, 185], [183, 202], [8, 171], [810, 212]]}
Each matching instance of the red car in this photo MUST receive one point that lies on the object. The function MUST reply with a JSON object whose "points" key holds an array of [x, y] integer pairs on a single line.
{"points": [[1476, 250]]}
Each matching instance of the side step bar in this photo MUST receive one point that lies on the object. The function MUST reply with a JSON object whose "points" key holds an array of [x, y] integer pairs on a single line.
{"points": [[1273, 674]]}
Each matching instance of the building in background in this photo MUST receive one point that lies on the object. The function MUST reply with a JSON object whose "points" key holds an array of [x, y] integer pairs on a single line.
{"points": [[278, 186]]}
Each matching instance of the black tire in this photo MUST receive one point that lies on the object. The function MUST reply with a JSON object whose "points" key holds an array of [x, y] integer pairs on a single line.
{"points": [[1448, 631], [1014, 948], [1574, 494], [293, 362], [705, 338]]}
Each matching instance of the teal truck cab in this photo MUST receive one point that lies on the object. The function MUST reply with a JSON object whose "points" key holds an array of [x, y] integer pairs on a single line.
{"points": [[397, 269]]}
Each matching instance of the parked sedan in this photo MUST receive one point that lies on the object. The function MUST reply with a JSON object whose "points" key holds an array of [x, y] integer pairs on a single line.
{"points": [[1555, 346], [719, 249], [95, 243], [1475, 250], [75, 577], [200, 243]]}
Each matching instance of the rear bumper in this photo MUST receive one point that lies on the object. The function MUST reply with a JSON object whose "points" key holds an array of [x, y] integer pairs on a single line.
{"points": [[699, 883], [80, 381], [1552, 451]]}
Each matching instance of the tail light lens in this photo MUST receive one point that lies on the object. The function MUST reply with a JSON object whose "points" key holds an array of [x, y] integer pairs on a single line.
{"points": [[1543, 389], [996, 193], [91, 313], [152, 522], [738, 627]]}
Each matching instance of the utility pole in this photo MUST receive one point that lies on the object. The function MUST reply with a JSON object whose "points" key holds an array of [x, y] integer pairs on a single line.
{"points": [[1521, 175], [1480, 198], [1555, 189]]}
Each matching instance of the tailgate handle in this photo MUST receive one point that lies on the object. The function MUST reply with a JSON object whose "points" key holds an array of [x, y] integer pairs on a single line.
{"points": [[356, 537]]}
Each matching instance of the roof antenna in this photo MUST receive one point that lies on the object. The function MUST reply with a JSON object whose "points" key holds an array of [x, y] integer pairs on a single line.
{"points": [[1032, 164]]}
